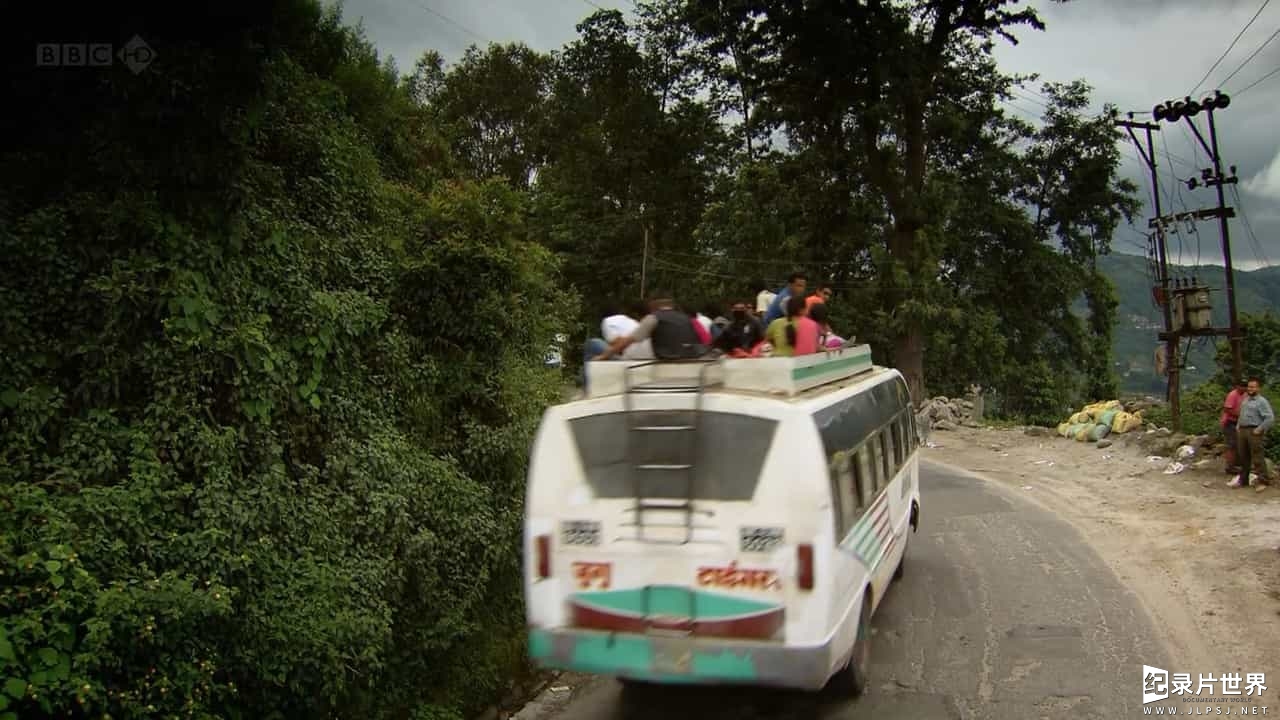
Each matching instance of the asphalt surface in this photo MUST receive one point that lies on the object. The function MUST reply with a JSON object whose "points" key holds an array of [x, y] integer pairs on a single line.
{"points": [[1005, 612]]}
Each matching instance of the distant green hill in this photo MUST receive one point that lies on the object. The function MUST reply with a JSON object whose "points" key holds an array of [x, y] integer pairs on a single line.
{"points": [[1139, 320]]}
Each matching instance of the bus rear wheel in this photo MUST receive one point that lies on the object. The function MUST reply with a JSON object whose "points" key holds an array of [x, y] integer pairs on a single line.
{"points": [[852, 680]]}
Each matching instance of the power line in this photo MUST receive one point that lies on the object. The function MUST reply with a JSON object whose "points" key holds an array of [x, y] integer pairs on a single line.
{"points": [[1251, 57], [455, 23], [1229, 47], [789, 263], [1256, 82], [1028, 98]]}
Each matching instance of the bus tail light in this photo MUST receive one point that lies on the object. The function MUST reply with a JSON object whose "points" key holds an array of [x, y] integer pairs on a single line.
{"points": [[542, 554], [804, 558]]}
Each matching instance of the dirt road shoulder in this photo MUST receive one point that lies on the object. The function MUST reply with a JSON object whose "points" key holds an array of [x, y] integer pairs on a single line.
{"points": [[1200, 556]]}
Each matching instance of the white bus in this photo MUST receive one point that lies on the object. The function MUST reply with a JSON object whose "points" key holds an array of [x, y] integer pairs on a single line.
{"points": [[725, 522]]}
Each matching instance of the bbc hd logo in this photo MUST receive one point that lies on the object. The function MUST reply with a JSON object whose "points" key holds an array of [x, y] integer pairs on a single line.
{"points": [[135, 55]]}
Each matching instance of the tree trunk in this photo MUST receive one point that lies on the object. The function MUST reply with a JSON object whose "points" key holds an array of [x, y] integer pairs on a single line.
{"points": [[908, 356], [908, 343]]}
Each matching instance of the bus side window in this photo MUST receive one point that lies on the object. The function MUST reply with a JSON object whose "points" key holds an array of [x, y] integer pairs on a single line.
{"points": [[876, 445], [890, 454], [886, 459], [866, 480], [846, 496], [899, 448]]}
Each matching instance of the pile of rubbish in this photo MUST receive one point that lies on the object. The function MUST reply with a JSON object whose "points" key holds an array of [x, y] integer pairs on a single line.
{"points": [[1097, 421]]}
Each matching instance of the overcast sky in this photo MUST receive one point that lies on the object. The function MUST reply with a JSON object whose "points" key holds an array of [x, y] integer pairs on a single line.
{"points": [[1135, 53]]}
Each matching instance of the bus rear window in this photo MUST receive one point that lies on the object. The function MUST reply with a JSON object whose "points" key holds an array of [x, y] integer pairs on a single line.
{"points": [[731, 450]]}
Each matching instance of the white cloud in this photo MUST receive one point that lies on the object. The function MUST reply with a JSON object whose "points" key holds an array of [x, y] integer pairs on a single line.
{"points": [[1266, 183]]}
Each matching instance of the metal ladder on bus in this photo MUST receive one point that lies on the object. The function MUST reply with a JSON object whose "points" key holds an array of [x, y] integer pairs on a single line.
{"points": [[642, 470]]}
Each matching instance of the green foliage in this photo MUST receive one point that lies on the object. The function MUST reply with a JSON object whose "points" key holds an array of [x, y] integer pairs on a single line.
{"points": [[263, 445], [1138, 317], [1201, 411], [1261, 351]]}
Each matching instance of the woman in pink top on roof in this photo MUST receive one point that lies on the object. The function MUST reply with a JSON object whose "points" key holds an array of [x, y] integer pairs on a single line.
{"points": [[802, 331], [827, 339]]}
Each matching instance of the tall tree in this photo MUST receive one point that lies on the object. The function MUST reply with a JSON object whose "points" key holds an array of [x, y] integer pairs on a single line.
{"points": [[492, 106], [623, 164], [876, 80]]}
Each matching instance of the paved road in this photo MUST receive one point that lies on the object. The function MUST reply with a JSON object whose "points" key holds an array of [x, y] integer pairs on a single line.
{"points": [[1005, 613]]}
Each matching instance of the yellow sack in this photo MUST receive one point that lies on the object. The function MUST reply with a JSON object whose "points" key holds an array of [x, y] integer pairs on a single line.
{"points": [[1134, 423], [1092, 413], [1064, 429], [1081, 418], [1120, 422], [1083, 435]]}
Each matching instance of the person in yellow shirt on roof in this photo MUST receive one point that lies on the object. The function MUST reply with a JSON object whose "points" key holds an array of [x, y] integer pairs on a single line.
{"points": [[794, 334]]}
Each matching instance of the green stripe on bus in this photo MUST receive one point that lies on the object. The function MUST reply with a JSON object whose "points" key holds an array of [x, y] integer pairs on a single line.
{"points": [[804, 373], [674, 601], [860, 533], [632, 655], [869, 547]]}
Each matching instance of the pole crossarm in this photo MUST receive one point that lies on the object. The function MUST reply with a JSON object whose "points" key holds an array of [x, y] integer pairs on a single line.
{"points": [[1203, 214]]}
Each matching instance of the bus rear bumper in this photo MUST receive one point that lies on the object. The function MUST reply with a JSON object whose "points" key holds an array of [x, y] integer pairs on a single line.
{"points": [[683, 661]]}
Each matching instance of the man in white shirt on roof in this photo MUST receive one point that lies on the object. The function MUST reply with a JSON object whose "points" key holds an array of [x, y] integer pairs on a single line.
{"points": [[622, 325], [764, 298]]}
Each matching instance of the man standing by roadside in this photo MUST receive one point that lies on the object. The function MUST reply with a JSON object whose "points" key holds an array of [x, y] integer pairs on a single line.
{"points": [[1230, 418], [1256, 417]]}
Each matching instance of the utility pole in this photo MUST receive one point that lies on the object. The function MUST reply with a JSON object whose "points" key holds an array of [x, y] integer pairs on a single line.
{"points": [[1172, 362], [644, 263], [1194, 318], [1223, 212]]}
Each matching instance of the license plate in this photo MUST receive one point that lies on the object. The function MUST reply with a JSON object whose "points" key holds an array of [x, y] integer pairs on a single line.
{"points": [[672, 656]]}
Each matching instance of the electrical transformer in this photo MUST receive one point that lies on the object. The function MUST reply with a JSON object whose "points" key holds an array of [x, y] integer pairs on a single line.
{"points": [[1197, 308]]}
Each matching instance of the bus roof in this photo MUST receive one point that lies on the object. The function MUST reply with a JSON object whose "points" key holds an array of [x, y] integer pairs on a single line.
{"points": [[788, 379]]}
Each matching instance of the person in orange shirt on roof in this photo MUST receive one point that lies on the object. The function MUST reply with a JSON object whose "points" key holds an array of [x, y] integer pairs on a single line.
{"points": [[821, 294]]}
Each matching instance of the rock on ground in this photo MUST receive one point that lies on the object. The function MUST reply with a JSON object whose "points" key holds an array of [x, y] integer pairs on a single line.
{"points": [[947, 414]]}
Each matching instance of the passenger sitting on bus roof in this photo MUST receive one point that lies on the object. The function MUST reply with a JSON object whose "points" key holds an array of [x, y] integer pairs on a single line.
{"points": [[764, 297], [794, 334], [703, 329], [622, 324], [821, 294], [671, 330], [703, 322], [743, 332], [778, 308], [826, 336], [718, 321]]}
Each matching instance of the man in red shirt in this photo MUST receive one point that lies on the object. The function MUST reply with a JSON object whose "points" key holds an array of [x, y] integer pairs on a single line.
{"points": [[1230, 415]]}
